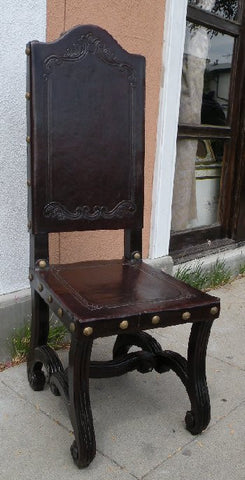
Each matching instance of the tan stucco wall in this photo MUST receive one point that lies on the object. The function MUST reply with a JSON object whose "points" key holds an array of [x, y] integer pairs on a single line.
{"points": [[138, 26]]}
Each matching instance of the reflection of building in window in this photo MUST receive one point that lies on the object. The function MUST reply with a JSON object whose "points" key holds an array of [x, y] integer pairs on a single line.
{"points": [[217, 80]]}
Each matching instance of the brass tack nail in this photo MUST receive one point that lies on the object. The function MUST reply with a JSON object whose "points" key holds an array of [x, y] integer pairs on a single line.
{"points": [[28, 139], [214, 310], [124, 324], [30, 277], [60, 312], [87, 331], [40, 287], [50, 298], [42, 263], [28, 183], [137, 256], [27, 51], [155, 320], [72, 327], [28, 95], [186, 316], [29, 225]]}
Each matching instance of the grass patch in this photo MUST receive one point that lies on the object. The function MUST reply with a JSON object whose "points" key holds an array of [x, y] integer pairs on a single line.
{"points": [[20, 341], [198, 277], [242, 269]]}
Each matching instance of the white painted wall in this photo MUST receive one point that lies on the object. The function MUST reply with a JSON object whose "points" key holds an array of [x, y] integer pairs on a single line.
{"points": [[21, 21], [173, 49]]}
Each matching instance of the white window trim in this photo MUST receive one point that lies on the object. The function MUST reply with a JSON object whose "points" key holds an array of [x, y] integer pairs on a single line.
{"points": [[173, 49]]}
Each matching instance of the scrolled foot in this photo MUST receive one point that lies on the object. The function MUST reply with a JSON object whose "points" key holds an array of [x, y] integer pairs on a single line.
{"points": [[74, 451], [80, 461], [54, 389], [195, 424], [36, 379], [191, 423]]}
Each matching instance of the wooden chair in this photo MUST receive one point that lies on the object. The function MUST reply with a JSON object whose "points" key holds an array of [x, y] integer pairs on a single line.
{"points": [[85, 102]]}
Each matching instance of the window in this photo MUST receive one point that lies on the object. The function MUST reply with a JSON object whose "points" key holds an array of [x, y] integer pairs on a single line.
{"points": [[208, 192]]}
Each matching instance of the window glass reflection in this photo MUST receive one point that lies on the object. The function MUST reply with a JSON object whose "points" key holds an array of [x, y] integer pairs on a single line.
{"points": [[229, 9], [197, 184], [206, 76]]}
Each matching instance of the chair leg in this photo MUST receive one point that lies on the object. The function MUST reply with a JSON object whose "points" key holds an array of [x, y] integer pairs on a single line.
{"points": [[39, 337], [199, 417], [83, 449]]}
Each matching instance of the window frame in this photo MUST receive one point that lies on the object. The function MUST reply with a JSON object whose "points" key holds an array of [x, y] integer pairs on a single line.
{"points": [[232, 195]]}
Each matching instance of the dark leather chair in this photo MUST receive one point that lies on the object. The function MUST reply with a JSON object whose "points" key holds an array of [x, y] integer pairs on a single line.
{"points": [[85, 102]]}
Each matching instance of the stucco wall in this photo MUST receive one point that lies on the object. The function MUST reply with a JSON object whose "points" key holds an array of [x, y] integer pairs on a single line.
{"points": [[138, 26], [20, 22]]}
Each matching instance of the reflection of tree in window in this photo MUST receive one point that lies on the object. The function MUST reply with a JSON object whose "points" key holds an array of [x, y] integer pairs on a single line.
{"points": [[226, 8]]}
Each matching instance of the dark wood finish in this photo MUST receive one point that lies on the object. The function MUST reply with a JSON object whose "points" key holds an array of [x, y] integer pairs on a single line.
{"points": [[186, 239], [132, 243], [83, 448], [209, 20], [199, 417], [233, 204], [203, 131], [39, 338], [103, 187], [100, 298], [38, 249]]}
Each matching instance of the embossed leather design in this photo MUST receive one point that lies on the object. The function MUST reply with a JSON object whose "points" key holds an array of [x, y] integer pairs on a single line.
{"points": [[114, 289], [87, 133]]}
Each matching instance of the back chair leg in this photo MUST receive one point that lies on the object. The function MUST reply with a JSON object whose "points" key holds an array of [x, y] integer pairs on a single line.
{"points": [[199, 417], [83, 449], [39, 337]]}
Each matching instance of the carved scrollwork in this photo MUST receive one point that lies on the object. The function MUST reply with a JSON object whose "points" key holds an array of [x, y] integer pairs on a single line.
{"points": [[56, 210], [89, 44]]}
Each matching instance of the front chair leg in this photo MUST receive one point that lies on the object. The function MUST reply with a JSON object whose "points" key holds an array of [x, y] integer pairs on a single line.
{"points": [[199, 417], [83, 448]]}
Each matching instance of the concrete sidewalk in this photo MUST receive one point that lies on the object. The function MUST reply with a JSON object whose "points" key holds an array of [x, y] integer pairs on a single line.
{"points": [[138, 419]]}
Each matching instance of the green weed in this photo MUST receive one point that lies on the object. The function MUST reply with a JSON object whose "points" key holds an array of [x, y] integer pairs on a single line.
{"points": [[203, 279], [242, 269], [20, 341]]}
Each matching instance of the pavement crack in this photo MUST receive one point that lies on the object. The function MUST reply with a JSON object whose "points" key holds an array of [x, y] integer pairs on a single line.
{"points": [[38, 409], [124, 469], [226, 362], [179, 449]]}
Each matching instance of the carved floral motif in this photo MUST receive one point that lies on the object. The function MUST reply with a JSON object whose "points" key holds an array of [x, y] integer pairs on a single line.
{"points": [[56, 210], [89, 44]]}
